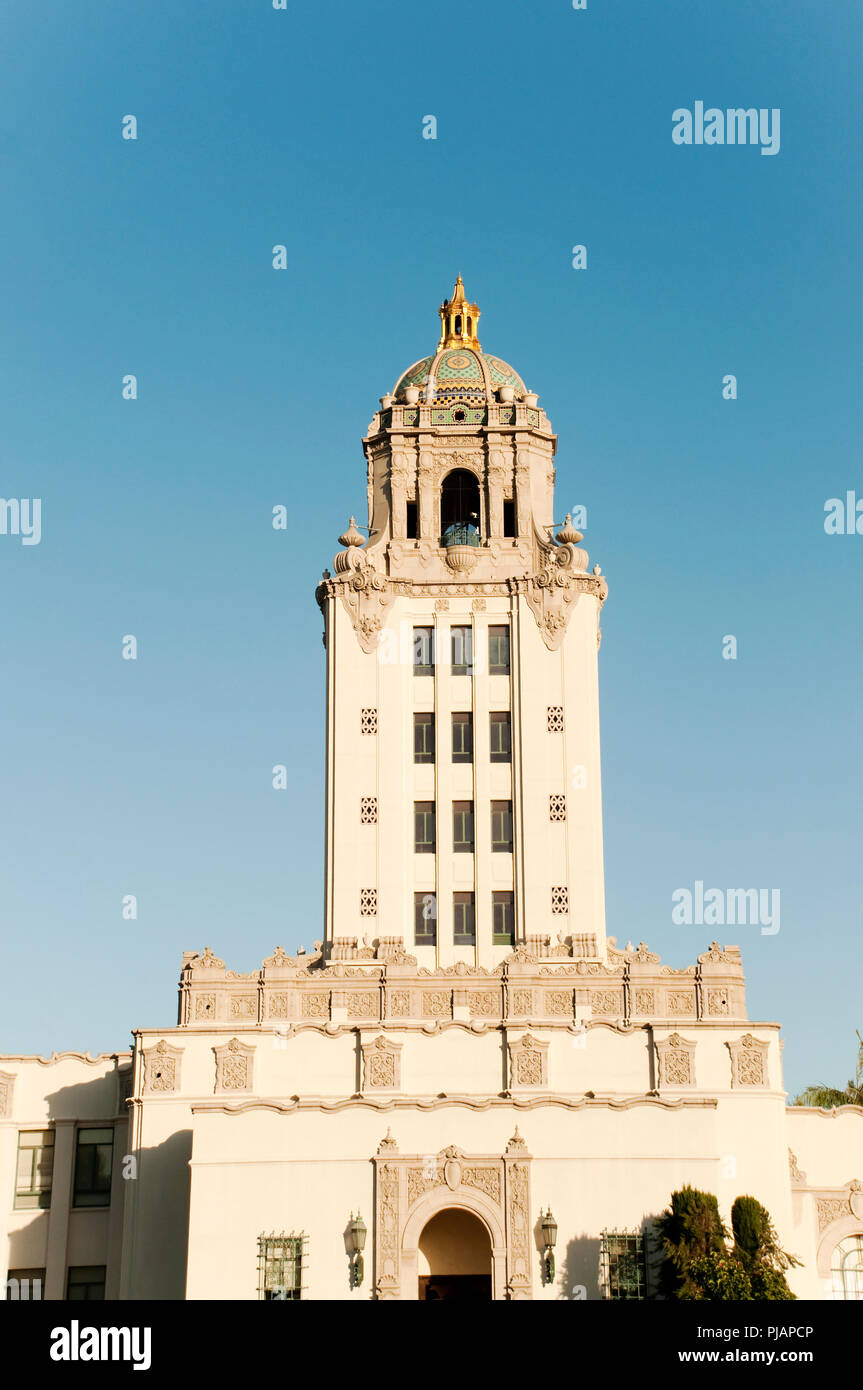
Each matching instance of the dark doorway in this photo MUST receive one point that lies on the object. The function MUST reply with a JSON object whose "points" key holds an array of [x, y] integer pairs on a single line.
{"points": [[457, 1288], [455, 1258]]}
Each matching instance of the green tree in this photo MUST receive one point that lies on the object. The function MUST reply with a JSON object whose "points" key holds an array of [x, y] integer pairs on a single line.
{"points": [[698, 1264], [756, 1246], [828, 1097], [691, 1230]]}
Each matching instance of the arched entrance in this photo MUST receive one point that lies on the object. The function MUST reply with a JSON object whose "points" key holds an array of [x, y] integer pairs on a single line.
{"points": [[454, 1258]]}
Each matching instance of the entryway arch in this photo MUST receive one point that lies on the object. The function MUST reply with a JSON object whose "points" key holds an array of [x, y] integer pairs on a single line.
{"points": [[454, 1230], [454, 1258]]}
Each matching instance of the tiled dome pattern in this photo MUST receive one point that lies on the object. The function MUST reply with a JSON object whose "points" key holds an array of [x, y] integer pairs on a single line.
{"points": [[461, 367]]}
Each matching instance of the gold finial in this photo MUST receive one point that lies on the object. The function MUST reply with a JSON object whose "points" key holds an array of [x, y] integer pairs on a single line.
{"points": [[459, 320]]}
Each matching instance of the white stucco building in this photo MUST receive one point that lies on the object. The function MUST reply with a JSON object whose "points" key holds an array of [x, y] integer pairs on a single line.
{"points": [[464, 1050]]}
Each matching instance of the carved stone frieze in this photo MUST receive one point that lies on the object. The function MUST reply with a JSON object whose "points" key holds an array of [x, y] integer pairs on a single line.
{"points": [[382, 1063], [162, 1068]]}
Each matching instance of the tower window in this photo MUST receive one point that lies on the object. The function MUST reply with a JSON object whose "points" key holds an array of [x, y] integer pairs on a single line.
{"points": [[458, 323], [501, 827], [509, 518], [423, 651], [498, 651], [501, 737], [462, 827], [462, 651], [424, 827], [425, 919], [459, 502], [462, 738], [423, 738], [502, 918], [463, 919], [412, 533]]}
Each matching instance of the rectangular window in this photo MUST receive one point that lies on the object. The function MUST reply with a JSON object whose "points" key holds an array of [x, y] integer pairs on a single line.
{"points": [[424, 827], [501, 737], [425, 919], [25, 1285], [462, 827], [86, 1283], [423, 651], [498, 651], [280, 1267], [35, 1169], [462, 738], [464, 919], [622, 1269], [423, 738], [509, 518], [462, 651], [501, 826], [93, 1158], [502, 918], [411, 518]]}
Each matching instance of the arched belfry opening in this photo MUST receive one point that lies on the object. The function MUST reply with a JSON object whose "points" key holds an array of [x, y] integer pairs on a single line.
{"points": [[454, 1261], [460, 505]]}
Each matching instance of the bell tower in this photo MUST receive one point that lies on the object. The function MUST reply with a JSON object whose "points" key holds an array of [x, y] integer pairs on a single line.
{"points": [[464, 813]]}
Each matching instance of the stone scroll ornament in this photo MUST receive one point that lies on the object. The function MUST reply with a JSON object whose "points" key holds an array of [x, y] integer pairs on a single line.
{"points": [[364, 591], [553, 591]]}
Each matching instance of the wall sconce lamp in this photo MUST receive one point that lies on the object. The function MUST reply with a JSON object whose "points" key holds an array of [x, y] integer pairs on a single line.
{"points": [[549, 1240], [357, 1232]]}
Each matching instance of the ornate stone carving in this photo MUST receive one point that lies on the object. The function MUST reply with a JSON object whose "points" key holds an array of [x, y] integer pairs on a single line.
{"points": [[482, 1003], [365, 594], [234, 1064], [518, 1222], [748, 1061], [316, 1005], [522, 1002], [362, 1004], [717, 1002], [675, 1061], [553, 591], [7, 1090], [277, 1005], [830, 1209], [528, 1062], [794, 1168], [680, 1003], [278, 960], [382, 1062], [388, 1144], [438, 1003], [607, 1001], [558, 1002], [399, 1003], [162, 1068], [205, 1006], [516, 1144], [244, 1006], [207, 961], [644, 1001]]}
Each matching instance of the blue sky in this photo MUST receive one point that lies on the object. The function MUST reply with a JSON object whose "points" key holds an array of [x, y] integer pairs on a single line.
{"points": [[153, 257]]}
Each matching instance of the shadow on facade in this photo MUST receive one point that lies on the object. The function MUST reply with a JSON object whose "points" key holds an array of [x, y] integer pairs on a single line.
{"points": [[157, 1185]]}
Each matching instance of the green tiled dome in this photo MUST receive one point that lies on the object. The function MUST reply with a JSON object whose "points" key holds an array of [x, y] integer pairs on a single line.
{"points": [[456, 367]]}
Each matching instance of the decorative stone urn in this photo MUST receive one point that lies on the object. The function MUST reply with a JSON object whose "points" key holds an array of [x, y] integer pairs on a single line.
{"points": [[462, 558]]}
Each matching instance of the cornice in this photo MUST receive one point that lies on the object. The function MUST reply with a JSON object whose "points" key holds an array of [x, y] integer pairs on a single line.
{"points": [[497, 1102], [90, 1061]]}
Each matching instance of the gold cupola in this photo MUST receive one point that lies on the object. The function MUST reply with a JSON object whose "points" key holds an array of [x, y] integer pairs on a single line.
{"points": [[459, 321]]}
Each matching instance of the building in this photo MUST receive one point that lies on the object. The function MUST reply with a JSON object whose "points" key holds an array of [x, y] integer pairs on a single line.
{"points": [[398, 1113]]}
